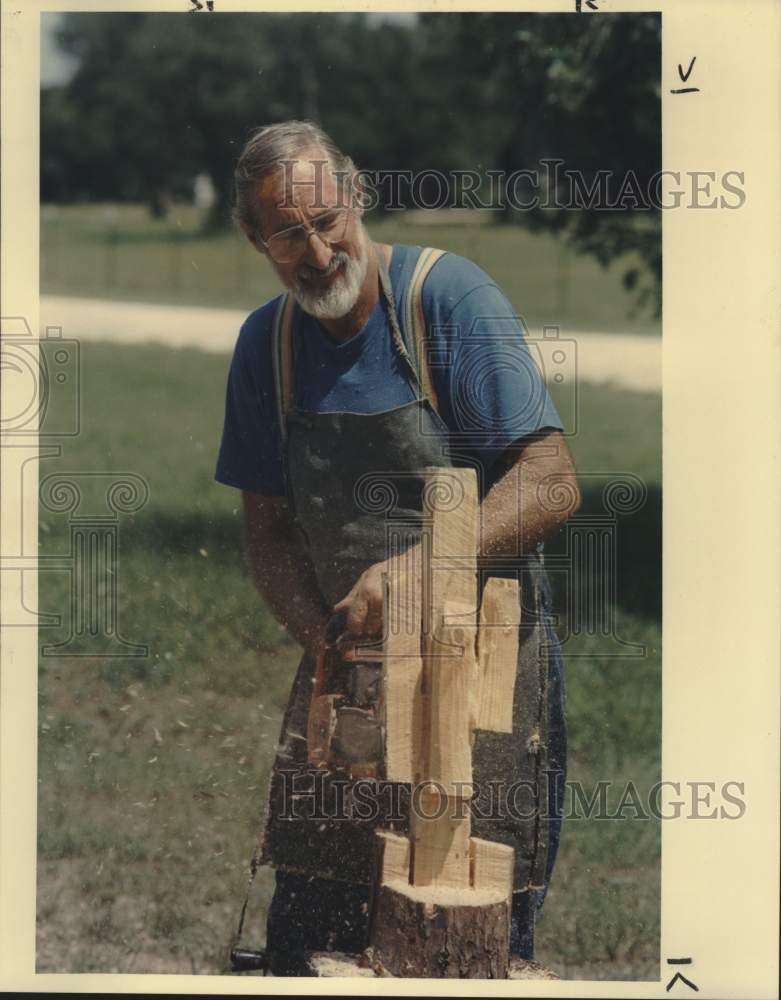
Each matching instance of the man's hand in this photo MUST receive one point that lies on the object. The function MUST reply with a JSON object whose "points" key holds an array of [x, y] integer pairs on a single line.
{"points": [[364, 604]]}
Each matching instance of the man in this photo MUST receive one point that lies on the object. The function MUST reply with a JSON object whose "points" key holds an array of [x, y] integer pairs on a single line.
{"points": [[351, 398]]}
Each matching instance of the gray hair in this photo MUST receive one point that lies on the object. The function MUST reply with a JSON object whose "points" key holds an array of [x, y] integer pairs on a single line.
{"points": [[265, 150]]}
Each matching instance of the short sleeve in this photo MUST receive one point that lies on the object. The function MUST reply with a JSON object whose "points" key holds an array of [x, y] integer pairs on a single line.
{"points": [[486, 372], [249, 455]]}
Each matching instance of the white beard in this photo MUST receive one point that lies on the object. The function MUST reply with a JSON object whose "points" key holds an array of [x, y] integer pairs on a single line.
{"points": [[339, 298]]}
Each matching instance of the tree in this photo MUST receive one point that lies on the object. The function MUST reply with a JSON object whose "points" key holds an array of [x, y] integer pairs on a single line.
{"points": [[585, 90], [173, 96], [158, 98]]}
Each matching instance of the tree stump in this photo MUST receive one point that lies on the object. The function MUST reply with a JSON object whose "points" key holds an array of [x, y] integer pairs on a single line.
{"points": [[436, 933]]}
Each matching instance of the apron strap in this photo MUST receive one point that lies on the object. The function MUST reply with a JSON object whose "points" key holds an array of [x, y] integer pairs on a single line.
{"points": [[282, 351], [383, 255], [415, 321]]}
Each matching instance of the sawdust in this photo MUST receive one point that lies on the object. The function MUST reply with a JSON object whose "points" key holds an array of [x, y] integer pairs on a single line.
{"points": [[521, 969], [335, 963], [338, 964], [446, 895]]}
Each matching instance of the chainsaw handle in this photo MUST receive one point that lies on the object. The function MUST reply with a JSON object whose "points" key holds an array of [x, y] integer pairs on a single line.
{"points": [[336, 630], [246, 960]]}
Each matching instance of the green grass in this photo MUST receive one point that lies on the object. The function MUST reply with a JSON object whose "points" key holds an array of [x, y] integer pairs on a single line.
{"points": [[119, 251], [153, 770]]}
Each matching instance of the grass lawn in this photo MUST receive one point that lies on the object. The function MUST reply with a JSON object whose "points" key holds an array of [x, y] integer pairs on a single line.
{"points": [[119, 251], [153, 770]]}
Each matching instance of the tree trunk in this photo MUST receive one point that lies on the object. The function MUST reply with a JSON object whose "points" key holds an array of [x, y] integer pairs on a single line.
{"points": [[417, 937]]}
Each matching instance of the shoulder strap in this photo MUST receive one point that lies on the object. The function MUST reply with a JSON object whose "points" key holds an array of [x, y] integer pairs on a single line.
{"points": [[415, 321], [282, 351]]}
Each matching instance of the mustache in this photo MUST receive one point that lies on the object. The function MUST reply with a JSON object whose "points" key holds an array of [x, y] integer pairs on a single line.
{"points": [[307, 273]]}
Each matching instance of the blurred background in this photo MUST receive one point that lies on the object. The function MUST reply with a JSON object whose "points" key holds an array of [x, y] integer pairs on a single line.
{"points": [[153, 769]]}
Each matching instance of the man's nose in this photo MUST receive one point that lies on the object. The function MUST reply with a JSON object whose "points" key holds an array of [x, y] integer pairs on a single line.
{"points": [[318, 254]]}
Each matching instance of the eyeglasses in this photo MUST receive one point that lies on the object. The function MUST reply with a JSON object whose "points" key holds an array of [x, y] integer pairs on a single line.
{"points": [[290, 244]]}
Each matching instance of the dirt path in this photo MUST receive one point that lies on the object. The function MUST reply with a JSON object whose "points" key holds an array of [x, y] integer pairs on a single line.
{"points": [[627, 360]]}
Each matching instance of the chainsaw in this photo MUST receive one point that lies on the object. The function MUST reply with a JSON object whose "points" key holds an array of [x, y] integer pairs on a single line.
{"points": [[344, 731]]}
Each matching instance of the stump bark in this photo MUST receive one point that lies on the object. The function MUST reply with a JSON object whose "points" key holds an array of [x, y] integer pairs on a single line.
{"points": [[434, 934]]}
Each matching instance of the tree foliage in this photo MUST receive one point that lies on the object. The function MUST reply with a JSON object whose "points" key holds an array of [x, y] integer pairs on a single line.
{"points": [[583, 90], [158, 98]]}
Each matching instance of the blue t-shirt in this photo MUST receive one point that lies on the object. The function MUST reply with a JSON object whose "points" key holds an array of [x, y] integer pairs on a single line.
{"points": [[489, 389]]}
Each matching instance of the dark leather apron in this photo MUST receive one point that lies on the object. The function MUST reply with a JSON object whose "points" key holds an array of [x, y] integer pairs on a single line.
{"points": [[336, 465]]}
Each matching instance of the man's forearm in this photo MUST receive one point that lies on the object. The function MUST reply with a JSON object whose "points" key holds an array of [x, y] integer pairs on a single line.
{"points": [[283, 574], [511, 519], [530, 502]]}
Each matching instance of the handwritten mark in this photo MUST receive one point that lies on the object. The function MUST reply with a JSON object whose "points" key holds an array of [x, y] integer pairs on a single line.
{"points": [[684, 77], [591, 4], [681, 961], [197, 5], [683, 979]]}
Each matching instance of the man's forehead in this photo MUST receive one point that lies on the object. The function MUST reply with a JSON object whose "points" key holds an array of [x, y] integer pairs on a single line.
{"points": [[306, 182]]}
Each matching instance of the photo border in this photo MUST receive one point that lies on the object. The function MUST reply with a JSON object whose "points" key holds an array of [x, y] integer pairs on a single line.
{"points": [[721, 501]]}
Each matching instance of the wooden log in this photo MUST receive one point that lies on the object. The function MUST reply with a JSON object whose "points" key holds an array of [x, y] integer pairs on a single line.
{"points": [[451, 502], [394, 857], [497, 654], [439, 825], [449, 572], [452, 671], [402, 699], [439, 933], [439, 830], [492, 866]]}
